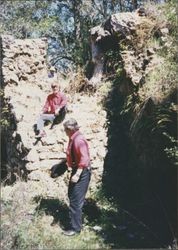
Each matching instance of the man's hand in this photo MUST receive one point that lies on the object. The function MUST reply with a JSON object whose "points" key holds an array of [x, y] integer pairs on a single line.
{"points": [[57, 111], [75, 178], [69, 172]]}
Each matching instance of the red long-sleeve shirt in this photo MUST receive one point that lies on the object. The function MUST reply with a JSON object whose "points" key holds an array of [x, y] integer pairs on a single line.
{"points": [[78, 151], [54, 101]]}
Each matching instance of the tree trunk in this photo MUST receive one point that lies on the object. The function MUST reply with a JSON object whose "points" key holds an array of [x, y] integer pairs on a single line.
{"points": [[135, 4], [76, 12], [121, 5]]}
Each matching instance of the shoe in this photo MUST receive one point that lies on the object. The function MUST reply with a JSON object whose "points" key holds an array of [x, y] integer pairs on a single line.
{"points": [[41, 134], [70, 233]]}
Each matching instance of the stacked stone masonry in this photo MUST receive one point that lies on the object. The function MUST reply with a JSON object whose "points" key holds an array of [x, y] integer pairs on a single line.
{"points": [[26, 85]]}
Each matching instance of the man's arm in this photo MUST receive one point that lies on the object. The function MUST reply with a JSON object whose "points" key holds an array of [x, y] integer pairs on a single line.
{"points": [[62, 104], [82, 149], [46, 106], [63, 101], [83, 153]]}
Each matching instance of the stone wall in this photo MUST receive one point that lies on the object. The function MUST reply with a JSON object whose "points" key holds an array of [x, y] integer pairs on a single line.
{"points": [[127, 33], [26, 86], [24, 75]]}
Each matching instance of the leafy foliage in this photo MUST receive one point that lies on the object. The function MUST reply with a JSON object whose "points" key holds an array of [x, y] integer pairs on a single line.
{"points": [[5, 115], [66, 24]]}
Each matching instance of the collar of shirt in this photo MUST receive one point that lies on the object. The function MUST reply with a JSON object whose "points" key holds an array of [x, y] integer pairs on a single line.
{"points": [[74, 135], [56, 94]]}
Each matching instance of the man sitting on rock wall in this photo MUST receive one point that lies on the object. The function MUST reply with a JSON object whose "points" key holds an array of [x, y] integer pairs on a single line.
{"points": [[54, 109]]}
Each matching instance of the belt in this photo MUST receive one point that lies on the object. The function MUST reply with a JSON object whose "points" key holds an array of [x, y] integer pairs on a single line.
{"points": [[74, 167]]}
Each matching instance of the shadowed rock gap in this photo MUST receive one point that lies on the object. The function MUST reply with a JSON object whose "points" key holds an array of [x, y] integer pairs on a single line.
{"points": [[138, 175], [13, 151]]}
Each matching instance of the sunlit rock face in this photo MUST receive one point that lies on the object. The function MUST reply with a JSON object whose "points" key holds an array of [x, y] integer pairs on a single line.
{"points": [[126, 33]]}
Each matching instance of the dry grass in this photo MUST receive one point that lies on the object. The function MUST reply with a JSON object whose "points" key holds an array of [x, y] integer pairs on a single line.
{"points": [[77, 83], [25, 226], [155, 12], [160, 82], [144, 32]]}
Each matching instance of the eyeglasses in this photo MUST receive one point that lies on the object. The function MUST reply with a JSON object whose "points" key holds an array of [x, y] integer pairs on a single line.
{"points": [[53, 86]]}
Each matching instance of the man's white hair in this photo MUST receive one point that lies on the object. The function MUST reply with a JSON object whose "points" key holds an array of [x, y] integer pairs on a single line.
{"points": [[71, 124]]}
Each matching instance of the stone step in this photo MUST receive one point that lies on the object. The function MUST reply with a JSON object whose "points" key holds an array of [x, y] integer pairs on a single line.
{"points": [[43, 165]]}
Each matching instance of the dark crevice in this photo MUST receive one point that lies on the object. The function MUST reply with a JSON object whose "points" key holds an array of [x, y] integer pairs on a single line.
{"points": [[137, 172], [13, 151]]}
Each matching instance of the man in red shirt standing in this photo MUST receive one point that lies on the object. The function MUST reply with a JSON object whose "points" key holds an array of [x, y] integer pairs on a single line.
{"points": [[78, 161], [55, 106]]}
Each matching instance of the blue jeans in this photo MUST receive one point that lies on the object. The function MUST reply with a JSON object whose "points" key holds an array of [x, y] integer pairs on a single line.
{"points": [[76, 193], [42, 118], [50, 117]]}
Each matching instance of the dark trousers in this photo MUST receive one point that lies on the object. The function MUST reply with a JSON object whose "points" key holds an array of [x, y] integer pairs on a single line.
{"points": [[60, 117], [76, 193]]}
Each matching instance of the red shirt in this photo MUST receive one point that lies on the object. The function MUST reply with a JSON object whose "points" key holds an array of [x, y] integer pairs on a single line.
{"points": [[78, 149], [54, 101]]}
